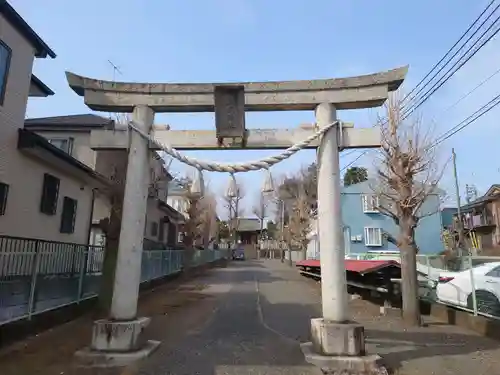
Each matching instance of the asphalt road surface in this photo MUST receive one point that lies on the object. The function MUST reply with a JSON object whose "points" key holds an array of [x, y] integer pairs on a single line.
{"points": [[260, 313]]}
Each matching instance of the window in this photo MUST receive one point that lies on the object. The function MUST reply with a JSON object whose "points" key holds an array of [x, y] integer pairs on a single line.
{"points": [[154, 229], [495, 272], [65, 144], [5, 55], [373, 236], [370, 203], [68, 215], [50, 193], [4, 193]]}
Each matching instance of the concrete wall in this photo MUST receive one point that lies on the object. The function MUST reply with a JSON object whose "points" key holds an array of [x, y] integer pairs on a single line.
{"points": [[25, 175]]}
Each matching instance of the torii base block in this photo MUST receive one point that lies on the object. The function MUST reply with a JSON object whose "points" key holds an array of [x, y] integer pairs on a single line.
{"points": [[339, 348], [117, 343]]}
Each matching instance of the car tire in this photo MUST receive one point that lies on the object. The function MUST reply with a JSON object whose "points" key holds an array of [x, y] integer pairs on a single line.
{"points": [[487, 303]]}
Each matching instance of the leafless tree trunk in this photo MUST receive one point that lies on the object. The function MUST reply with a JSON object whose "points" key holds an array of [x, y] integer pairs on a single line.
{"points": [[299, 191], [260, 210], [234, 209], [407, 174], [195, 227]]}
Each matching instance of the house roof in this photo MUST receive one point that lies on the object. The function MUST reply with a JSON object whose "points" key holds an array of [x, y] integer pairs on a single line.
{"points": [[492, 194], [368, 186], [30, 141], [42, 50], [248, 225], [41, 86], [176, 188], [88, 120], [171, 212]]}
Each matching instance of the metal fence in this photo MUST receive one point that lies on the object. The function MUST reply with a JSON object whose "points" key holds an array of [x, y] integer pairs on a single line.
{"points": [[38, 276], [470, 283]]}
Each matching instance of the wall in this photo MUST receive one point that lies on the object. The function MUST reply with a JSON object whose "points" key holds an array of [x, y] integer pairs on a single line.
{"points": [[81, 144], [24, 175], [178, 202], [428, 233], [154, 215], [23, 217], [447, 214]]}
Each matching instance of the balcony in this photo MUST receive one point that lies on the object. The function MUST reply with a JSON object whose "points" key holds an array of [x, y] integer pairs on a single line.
{"points": [[479, 221]]}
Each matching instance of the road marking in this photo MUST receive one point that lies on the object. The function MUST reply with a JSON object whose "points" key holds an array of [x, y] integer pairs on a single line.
{"points": [[262, 320]]}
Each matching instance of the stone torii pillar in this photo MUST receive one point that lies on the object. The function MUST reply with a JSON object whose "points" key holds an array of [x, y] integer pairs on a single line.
{"points": [[337, 344]]}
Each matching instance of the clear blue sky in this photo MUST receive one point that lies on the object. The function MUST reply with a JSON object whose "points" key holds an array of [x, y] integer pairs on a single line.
{"points": [[245, 40]]}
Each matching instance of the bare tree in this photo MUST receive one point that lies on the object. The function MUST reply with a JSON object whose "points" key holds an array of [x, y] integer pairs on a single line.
{"points": [[408, 173], [261, 208], [299, 192], [299, 224], [234, 208], [194, 226], [209, 213]]}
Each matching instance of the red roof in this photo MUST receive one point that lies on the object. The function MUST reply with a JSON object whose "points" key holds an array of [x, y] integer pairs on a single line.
{"points": [[359, 266]]}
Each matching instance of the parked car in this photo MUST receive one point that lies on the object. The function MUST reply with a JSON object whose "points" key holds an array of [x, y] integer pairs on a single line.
{"points": [[238, 254], [456, 288]]}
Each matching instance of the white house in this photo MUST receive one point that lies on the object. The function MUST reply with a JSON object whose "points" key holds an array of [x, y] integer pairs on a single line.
{"points": [[72, 135], [44, 193]]}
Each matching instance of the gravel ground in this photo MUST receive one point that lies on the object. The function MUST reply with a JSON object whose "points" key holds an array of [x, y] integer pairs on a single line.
{"points": [[249, 319], [435, 349], [52, 352]]}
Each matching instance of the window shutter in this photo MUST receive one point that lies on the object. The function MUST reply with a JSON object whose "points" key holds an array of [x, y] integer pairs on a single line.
{"points": [[50, 194], [68, 216], [4, 193]]}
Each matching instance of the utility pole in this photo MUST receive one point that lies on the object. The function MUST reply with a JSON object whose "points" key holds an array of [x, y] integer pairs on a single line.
{"points": [[282, 228], [460, 224]]}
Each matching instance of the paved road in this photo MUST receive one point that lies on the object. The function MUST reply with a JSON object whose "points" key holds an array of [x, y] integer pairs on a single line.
{"points": [[261, 309]]}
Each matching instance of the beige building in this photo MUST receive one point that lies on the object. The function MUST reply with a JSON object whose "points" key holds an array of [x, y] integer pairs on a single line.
{"points": [[72, 135], [44, 193], [178, 198]]}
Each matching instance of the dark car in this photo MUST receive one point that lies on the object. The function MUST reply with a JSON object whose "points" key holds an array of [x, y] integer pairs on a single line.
{"points": [[238, 254]]}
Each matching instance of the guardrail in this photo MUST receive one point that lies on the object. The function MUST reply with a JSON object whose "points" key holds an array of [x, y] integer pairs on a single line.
{"points": [[38, 276]]}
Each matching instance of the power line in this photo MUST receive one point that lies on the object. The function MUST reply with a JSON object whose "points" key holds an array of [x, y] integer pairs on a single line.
{"points": [[471, 91], [451, 49], [354, 161], [468, 121], [454, 68], [433, 89]]}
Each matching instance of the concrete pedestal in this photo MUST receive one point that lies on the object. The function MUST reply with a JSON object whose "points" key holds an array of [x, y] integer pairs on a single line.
{"points": [[339, 348], [117, 343]]}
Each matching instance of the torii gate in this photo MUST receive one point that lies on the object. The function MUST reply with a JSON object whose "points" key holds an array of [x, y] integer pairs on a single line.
{"points": [[337, 343]]}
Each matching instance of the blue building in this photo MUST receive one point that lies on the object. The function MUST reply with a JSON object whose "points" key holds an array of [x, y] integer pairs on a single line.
{"points": [[366, 229], [447, 214]]}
